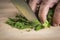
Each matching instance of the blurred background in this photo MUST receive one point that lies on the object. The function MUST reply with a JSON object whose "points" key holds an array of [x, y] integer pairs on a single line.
{"points": [[7, 9]]}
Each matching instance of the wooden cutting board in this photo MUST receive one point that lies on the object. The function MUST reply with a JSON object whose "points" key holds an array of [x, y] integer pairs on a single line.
{"points": [[9, 33]]}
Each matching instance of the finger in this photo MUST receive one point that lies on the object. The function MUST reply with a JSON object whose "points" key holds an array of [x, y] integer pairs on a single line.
{"points": [[33, 4], [56, 17]]}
